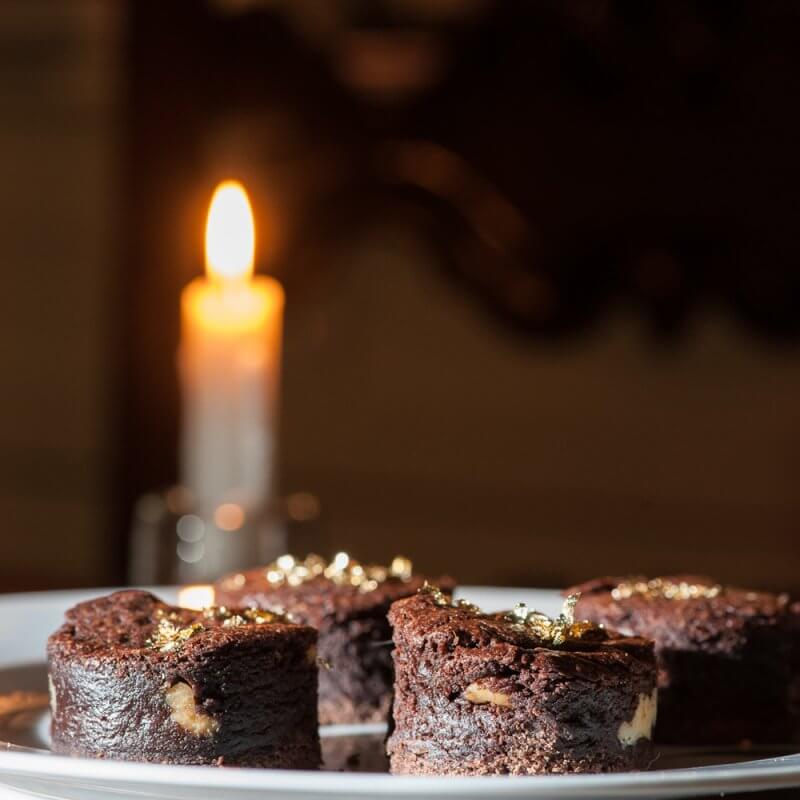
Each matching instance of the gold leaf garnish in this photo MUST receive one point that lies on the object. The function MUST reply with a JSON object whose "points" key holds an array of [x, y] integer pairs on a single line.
{"points": [[261, 616], [169, 636], [342, 570], [246, 616], [555, 631], [666, 589], [437, 595], [444, 600]]}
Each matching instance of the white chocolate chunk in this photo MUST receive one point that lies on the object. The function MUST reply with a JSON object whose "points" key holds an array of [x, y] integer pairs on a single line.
{"points": [[480, 695], [644, 718], [180, 699]]}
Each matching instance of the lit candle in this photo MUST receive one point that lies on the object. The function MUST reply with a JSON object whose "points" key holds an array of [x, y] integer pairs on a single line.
{"points": [[230, 363]]}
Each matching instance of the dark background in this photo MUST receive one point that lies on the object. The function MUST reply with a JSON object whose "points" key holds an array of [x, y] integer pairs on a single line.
{"points": [[541, 263]]}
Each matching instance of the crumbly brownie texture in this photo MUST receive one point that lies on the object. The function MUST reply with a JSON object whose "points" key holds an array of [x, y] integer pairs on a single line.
{"points": [[134, 679], [479, 694], [347, 603], [729, 658]]}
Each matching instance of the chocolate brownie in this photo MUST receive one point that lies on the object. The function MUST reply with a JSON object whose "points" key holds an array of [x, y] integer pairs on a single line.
{"points": [[347, 602], [515, 693], [132, 678], [727, 657]]}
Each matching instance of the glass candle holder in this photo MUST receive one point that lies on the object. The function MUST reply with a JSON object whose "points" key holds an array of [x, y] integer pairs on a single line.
{"points": [[175, 541]]}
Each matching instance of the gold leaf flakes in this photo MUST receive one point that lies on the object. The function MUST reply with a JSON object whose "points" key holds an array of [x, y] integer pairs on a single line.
{"points": [[168, 636], [555, 631], [552, 631], [437, 595], [342, 570], [247, 616], [665, 589], [444, 600], [261, 616]]}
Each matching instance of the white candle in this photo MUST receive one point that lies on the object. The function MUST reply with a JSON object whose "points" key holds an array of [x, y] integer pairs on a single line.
{"points": [[230, 364]]}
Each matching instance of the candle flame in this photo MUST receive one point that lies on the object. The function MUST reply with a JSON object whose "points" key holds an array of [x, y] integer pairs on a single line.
{"points": [[230, 234]]}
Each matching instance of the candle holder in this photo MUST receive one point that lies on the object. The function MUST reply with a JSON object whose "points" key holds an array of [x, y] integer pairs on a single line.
{"points": [[176, 541]]}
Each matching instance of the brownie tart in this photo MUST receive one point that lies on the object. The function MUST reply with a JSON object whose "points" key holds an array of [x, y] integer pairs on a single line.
{"points": [[515, 693], [727, 657], [347, 603], [132, 678]]}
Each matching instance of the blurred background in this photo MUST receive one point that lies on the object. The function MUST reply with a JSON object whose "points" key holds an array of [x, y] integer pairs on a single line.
{"points": [[541, 265]]}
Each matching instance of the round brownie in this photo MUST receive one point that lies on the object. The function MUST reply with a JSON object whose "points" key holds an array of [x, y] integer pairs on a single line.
{"points": [[515, 693], [347, 603], [132, 678], [728, 657]]}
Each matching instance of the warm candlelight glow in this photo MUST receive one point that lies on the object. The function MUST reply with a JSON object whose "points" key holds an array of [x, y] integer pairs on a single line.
{"points": [[229, 516], [196, 597], [230, 373], [230, 234], [231, 300]]}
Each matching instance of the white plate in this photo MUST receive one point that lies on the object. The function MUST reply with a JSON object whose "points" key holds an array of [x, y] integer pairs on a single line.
{"points": [[26, 620]]}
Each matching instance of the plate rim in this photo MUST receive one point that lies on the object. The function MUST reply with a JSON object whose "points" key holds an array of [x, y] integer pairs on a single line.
{"points": [[766, 773], [759, 774]]}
